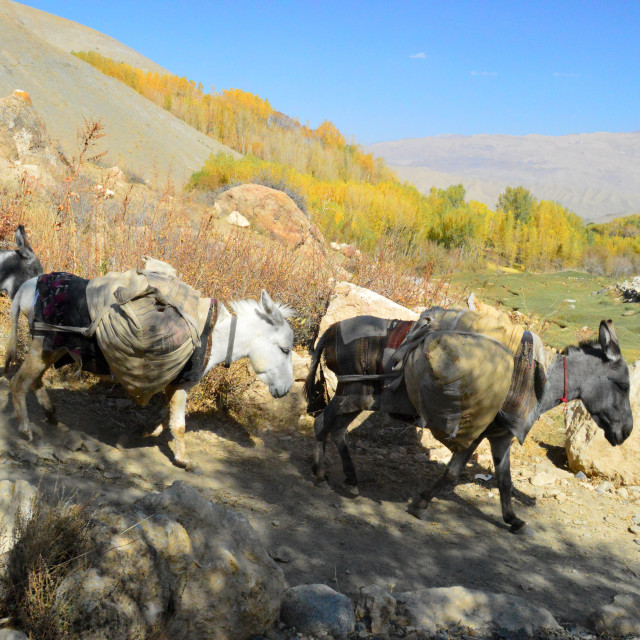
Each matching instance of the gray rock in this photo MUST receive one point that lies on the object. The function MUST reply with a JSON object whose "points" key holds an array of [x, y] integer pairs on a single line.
{"points": [[316, 608], [635, 528], [605, 487], [620, 618], [580, 476], [448, 607], [636, 519]]}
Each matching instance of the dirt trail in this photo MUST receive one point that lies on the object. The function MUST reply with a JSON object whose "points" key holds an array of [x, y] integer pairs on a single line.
{"points": [[580, 556]]}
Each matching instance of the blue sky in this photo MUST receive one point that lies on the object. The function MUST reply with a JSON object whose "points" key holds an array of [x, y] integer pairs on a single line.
{"points": [[399, 69]]}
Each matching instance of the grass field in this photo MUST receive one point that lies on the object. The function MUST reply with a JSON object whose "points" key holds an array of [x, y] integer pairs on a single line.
{"points": [[564, 302]]}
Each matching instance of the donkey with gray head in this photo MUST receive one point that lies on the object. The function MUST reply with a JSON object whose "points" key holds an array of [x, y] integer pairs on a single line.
{"points": [[593, 372], [18, 266]]}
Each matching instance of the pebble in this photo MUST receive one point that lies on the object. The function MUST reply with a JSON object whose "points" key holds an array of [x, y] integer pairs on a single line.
{"points": [[635, 528], [636, 519], [580, 476], [605, 487], [623, 493]]}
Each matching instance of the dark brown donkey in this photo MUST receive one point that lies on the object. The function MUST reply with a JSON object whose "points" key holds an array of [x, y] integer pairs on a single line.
{"points": [[593, 372]]}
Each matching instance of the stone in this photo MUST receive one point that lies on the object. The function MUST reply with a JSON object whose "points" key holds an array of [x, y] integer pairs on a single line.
{"points": [[274, 214], [619, 618], [379, 606], [449, 607], [238, 220], [15, 497], [314, 608], [589, 452], [349, 300], [635, 529], [605, 487], [74, 441]]}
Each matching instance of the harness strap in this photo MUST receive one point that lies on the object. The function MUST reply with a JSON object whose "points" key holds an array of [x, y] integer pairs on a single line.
{"points": [[366, 377], [232, 337]]}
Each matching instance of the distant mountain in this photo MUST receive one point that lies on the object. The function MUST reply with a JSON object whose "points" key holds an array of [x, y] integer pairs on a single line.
{"points": [[596, 175], [141, 137]]}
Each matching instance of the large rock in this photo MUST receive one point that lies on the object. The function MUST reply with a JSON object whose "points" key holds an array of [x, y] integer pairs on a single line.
{"points": [[15, 497], [349, 300], [271, 212], [447, 607], [178, 562], [588, 450], [318, 609], [620, 618]]}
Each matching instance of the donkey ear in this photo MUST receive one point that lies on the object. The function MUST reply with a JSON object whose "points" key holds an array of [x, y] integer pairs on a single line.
{"points": [[609, 341], [24, 248], [270, 308]]}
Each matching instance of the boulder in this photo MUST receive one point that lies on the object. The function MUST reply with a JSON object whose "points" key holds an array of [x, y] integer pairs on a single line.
{"points": [[349, 300], [178, 562], [620, 618], [428, 610], [15, 497], [588, 450], [273, 213], [318, 609]]}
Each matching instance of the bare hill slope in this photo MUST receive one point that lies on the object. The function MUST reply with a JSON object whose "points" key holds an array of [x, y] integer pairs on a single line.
{"points": [[141, 137], [595, 175]]}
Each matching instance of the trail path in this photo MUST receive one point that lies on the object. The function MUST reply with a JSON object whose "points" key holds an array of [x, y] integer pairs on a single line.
{"points": [[581, 555]]}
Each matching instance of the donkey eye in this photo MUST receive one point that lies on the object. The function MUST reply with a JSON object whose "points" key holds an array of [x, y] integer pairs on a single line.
{"points": [[285, 350], [623, 386]]}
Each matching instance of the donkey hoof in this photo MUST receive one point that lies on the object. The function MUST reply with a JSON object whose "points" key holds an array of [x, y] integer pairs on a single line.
{"points": [[519, 527], [352, 489], [417, 512], [26, 432]]}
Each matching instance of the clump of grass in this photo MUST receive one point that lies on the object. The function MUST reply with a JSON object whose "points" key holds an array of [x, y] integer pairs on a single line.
{"points": [[50, 542]]}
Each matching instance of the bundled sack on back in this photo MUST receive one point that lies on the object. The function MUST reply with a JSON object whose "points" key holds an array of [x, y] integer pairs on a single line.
{"points": [[149, 326]]}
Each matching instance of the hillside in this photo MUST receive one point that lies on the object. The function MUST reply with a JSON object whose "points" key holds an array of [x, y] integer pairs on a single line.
{"points": [[593, 174], [143, 138]]}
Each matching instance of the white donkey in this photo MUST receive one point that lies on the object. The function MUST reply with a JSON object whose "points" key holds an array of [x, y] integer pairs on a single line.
{"points": [[258, 330]]}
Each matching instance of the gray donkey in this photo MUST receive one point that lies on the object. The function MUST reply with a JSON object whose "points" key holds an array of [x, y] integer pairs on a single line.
{"points": [[17, 266], [593, 372]]}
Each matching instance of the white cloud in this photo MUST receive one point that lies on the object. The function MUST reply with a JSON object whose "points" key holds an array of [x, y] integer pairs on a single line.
{"points": [[560, 74], [483, 73], [419, 56]]}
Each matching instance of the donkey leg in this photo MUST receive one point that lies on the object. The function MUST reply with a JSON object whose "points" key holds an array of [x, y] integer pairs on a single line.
{"points": [[338, 436], [44, 400], [177, 406], [447, 480], [501, 452], [30, 371]]}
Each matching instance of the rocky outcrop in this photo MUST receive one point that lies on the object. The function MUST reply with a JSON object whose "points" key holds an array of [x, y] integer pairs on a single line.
{"points": [[172, 561], [431, 610], [588, 450], [630, 290], [23, 135], [272, 213]]}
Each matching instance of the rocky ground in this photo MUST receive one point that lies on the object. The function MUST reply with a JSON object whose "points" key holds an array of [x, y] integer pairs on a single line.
{"points": [[580, 552]]}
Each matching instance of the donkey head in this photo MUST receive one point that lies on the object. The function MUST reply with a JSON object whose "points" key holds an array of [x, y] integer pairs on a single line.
{"points": [[605, 386], [271, 346], [18, 266]]}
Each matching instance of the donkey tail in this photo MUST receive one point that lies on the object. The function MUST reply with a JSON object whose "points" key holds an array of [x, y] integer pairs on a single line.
{"points": [[315, 391]]}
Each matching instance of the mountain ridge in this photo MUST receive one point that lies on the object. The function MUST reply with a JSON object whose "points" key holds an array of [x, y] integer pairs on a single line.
{"points": [[590, 173]]}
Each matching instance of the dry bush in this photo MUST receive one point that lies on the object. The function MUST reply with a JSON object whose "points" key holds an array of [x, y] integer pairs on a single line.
{"points": [[49, 543], [393, 274]]}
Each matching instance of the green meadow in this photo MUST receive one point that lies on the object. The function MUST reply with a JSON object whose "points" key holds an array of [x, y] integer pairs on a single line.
{"points": [[564, 303]]}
